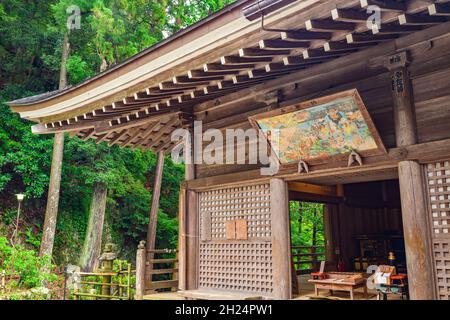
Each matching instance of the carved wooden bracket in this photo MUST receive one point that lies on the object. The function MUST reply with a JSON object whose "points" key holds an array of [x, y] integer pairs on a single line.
{"points": [[354, 157], [303, 167]]}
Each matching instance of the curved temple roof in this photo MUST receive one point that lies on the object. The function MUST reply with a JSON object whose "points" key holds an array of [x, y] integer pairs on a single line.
{"points": [[140, 102]]}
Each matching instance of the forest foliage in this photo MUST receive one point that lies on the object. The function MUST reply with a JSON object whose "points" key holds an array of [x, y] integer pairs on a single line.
{"points": [[31, 37]]}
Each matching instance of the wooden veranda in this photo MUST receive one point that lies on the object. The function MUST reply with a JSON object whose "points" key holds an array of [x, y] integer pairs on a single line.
{"points": [[234, 66]]}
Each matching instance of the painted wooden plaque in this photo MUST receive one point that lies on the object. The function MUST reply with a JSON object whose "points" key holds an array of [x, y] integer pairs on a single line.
{"points": [[230, 230], [241, 230], [321, 128]]}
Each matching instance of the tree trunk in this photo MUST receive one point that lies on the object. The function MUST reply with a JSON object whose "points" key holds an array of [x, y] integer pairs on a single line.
{"points": [[51, 213], [314, 230], [93, 241], [151, 234]]}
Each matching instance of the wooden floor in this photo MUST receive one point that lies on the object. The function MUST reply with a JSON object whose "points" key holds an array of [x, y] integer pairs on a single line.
{"points": [[306, 293]]}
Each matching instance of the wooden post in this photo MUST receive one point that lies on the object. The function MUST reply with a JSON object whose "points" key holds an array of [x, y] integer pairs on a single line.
{"points": [[412, 185], [416, 231], [182, 240], [183, 226], [192, 241], [281, 253], [140, 271], [151, 234]]}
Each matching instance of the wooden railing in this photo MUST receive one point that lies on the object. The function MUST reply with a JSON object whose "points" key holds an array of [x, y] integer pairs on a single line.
{"points": [[162, 274], [113, 285], [306, 259]]}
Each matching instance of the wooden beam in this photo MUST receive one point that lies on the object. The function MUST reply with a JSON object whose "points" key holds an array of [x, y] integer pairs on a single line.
{"points": [[300, 61], [90, 134], [133, 135], [424, 152], [147, 135], [349, 15], [117, 137], [191, 81], [439, 9], [281, 246], [408, 19], [328, 26], [303, 35], [227, 60], [394, 29], [344, 46], [367, 38], [282, 44], [253, 52], [105, 126], [313, 189], [168, 127], [321, 53], [200, 74], [211, 67], [384, 5]]}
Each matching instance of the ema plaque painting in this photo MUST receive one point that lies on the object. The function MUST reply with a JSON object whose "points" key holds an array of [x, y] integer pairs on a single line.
{"points": [[321, 128]]}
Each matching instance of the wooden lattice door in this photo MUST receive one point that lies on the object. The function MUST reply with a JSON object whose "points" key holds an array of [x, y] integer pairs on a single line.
{"points": [[438, 180], [235, 249]]}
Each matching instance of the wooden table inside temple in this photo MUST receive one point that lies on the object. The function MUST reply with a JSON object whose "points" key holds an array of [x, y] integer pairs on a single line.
{"points": [[340, 281]]}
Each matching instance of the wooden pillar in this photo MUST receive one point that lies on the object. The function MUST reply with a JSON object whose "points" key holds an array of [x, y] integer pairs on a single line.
{"points": [[140, 271], [404, 114], [281, 244], [412, 185], [182, 271], [416, 231], [51, 212], [151, 234], [192, 236]]}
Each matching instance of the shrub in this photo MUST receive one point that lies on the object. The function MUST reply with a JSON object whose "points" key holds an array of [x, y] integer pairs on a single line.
{"points": [[31, 270]]}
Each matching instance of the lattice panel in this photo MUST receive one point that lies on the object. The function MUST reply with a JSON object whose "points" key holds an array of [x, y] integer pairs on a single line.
{"points": [[441, 250], [251, 203], [439, 192], [236, 266], [438, 175]]}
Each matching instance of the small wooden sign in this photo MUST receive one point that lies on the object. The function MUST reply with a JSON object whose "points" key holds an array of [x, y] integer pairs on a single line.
{"points": [[230, 230], [241, 230], [236, 230]]}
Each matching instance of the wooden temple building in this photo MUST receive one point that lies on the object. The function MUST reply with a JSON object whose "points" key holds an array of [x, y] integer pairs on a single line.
{"points": [[268, 58]]}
